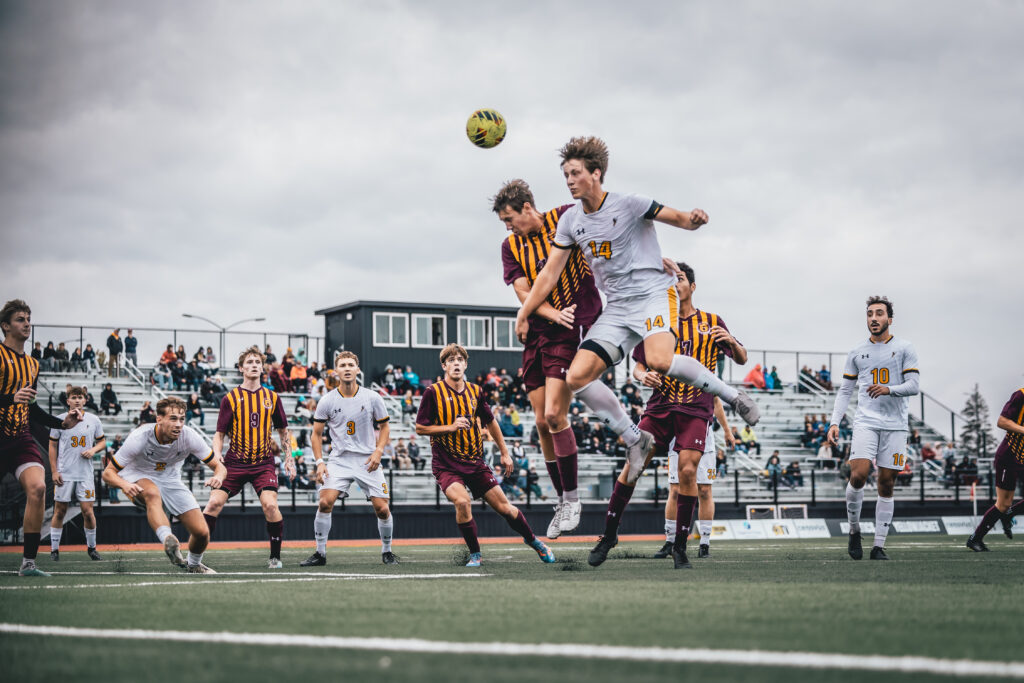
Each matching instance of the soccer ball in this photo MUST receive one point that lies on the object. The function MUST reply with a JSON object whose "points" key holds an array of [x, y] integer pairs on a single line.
{"points": [[485, 128]]}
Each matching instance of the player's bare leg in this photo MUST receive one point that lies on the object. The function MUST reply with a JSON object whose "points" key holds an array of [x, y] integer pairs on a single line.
{"points": [[582, 378], [670, 522], [33, 482], [495, 497], [198, 540], [705, 517], [275, 526], [660, 350], [1001, 510], [620, 497], [56, 528], [322, 528], [537, 402], [89, 526], [158, 522], [459, 496], [385, 527], [685, 502], [557, 396]]}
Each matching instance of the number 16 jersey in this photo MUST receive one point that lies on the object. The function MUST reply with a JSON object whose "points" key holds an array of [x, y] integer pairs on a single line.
{"points": [[886, 363]]}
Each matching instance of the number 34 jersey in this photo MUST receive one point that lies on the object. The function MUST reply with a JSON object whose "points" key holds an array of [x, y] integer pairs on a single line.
{"points": [[887, 363], [352, 420], [72, 442]]}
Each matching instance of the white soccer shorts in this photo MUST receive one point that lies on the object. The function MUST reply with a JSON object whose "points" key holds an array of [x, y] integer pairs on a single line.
{"points": [[707, 468], [84, 491], [176, 497], [885, 447], [343, 470], [627, 322]]}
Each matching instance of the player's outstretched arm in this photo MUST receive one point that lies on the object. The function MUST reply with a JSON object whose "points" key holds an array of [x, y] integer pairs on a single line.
{"points": [[316, 442], [542, 286], [112, 478], [285, 437], [1009, 425], [687, 220], [219, 472], [843, 397], [730, 440], [723, 338]]}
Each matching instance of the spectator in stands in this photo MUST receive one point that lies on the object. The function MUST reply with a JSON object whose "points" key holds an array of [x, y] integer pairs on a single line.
{"points": [[168, 357], [62, 398], [298, 376], [387, 458], [411, 378], [408, 406], [194, 410], [161, 376], [212, 366], [108, 400], [402, 456], [77, 364], [928, 452], [114, 348], [179, 374], [845, 429], [966, 471], [738, 440], [792, 476], [609, 379], [279, 380], [131, 348], [776, 382], [826, 455], [773, 469], [313, 371], [300, 357], [48, 364], [914, 439], [721, 462], [806, 376], [89, 357], [115, 446], [90, 402], [37, 352], [146, 414], [200, 355], [906, 475], [181, 354], [825, 378], [755, 378], [194, 375], [62, 358], [417, 460], [271, 358]]}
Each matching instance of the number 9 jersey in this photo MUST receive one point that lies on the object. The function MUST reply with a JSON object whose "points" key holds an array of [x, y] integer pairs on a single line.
{"points": [[892, 363]]}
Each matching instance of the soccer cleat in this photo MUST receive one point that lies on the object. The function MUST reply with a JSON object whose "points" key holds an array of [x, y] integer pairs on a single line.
{"points": [[172, 548], [314, 560], [93, 555], [199, 569], [55, 555], [746, 408], [389, 558], [679, 558], [878, 553], [275, 563], [1007, 522], [546, 556], [853, 546], [555, 527], [600, 552], [976, 544], [474, 560], [636, 455], [31, 569], [664, 551], [704, 551], [570, 517]]}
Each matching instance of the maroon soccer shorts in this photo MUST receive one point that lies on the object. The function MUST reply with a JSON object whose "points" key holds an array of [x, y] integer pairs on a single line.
{"points": [[17, 453], [545, 358], [262, 475], [1007, 470], [689, 432], [479, 479]]}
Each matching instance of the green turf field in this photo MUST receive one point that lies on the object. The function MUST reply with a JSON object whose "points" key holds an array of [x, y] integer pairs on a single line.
{"points": [[935, 599]]}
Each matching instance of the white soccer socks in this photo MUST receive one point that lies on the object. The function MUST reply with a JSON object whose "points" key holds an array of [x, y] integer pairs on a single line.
{"points": [[321, 529], [603, 402], [163, 532], [854, 502], [385, 527], [693, 372], [705, 532], [883, 519], [90, 537], [670, 530], [55, 535], [194, 560]]}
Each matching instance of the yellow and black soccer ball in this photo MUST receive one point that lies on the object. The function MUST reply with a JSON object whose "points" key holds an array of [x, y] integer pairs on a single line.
{"points": [[486, 128]]}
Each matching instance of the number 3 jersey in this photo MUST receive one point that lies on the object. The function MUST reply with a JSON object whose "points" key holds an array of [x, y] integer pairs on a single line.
{"points": [[352, 420], [620, 245], [888, 363], [72, 442]]}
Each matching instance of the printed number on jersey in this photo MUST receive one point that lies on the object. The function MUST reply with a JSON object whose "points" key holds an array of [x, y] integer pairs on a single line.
{"points": [[657, 321], [350, 427], [601, 250], [79, 441], [880, 376]]}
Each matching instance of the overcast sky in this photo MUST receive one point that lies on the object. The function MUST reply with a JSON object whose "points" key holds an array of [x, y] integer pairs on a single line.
{"points": [[269, 159]]}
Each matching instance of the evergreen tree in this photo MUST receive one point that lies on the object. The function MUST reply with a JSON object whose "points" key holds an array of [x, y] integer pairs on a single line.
{"points": [[976, 431]]}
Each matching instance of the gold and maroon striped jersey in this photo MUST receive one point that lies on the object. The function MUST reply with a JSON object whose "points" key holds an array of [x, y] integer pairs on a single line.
{"points": [[248, 419], [440, 405], [17, 371], [694, 339], [1013, 443]]}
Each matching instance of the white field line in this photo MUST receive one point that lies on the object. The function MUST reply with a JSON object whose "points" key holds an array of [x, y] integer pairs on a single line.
{"points": [[797, 660], [210, 580]]}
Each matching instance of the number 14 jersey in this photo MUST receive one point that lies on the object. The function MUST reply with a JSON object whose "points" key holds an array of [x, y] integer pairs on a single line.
{"points": [[886, 363]]}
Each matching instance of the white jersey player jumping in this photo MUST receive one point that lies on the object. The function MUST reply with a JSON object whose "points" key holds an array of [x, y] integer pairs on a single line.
{"points": [[71, 452], [148, 469], [617, 236], [352, 414], [886, 370]]}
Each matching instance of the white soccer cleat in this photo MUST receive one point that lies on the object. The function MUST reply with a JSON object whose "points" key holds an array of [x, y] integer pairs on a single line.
{"points": [[555, 528], [746, 408], [199, 569], [275, 563], [570, 516], [636, 456], [172, 548]]}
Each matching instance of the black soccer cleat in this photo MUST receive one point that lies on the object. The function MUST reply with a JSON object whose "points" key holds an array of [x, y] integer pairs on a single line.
{"points": [[854, 547], [704, 551], [1007, 525], [93, 555], [389, 558], [314, 560], [679, 558], [976, 544], [878, 553], [600, 552], [55, 555], [664, 551]]}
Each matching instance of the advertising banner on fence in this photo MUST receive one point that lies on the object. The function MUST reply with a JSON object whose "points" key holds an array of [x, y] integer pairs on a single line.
{"points": [[811, 528], [746, 529]]}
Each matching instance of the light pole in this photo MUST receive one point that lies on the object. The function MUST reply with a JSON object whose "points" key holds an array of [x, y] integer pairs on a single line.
{"points": [[222, 329]]}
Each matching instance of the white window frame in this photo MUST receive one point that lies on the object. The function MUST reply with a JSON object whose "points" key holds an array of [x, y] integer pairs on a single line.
{"points": [[428, 316], [469, 319], [516, 344], [390, 315]]}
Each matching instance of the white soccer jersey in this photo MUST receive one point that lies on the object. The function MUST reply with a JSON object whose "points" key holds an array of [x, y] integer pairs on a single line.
{"points": [[352, 421], [620, 244], [142, 454], [70, 444], [890, 363]]}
